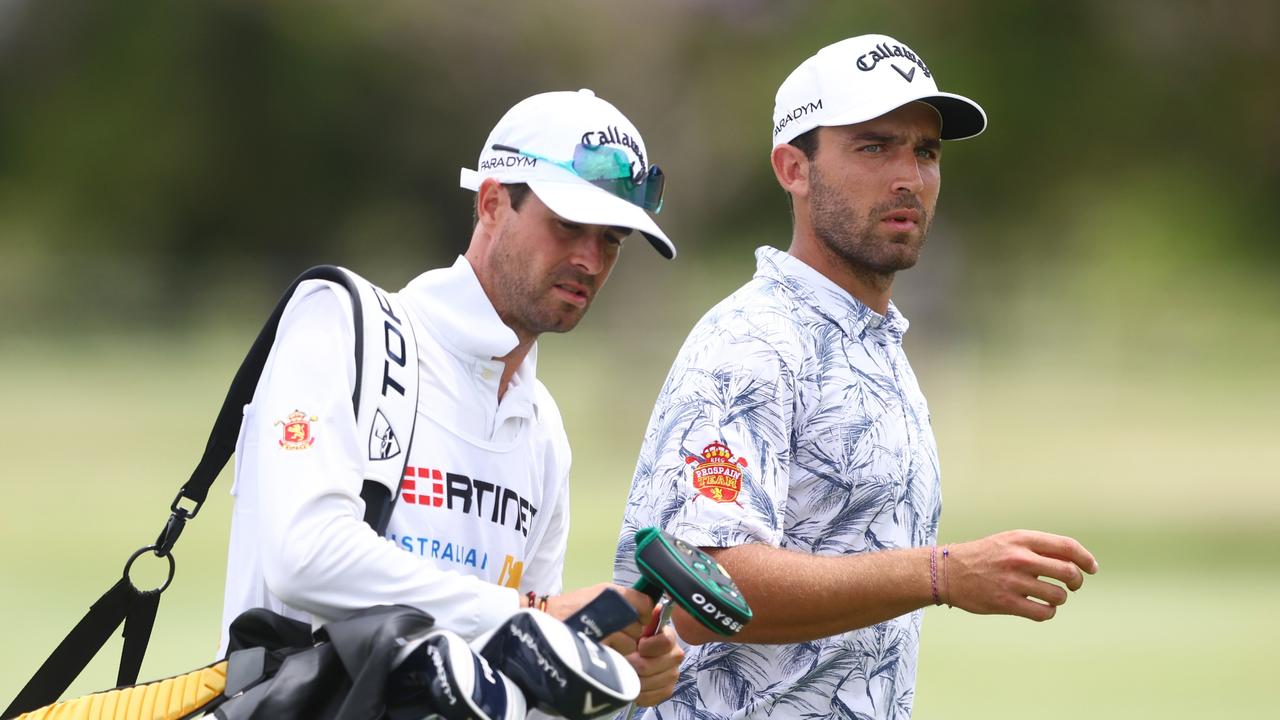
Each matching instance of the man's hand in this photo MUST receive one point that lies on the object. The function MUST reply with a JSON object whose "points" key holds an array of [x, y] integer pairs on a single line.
{"points": [[1001, 574], [797, 597], [657, 661], [563, 606]]}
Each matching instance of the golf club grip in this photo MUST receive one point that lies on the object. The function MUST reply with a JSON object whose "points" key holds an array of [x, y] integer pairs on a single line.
{"points": [[659, 620], [653, 628]]}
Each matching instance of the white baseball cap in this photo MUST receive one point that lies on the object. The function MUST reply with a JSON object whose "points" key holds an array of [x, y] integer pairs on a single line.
{"points": [[862, 78], [581, 157]]}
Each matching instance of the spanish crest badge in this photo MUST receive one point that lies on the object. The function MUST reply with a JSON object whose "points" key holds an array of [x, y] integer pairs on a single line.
{"points": [[716, 473], [297, 431]]}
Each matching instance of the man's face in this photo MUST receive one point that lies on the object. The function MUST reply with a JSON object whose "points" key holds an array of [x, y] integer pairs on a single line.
{"points": [[874, 186], [546, 270]]}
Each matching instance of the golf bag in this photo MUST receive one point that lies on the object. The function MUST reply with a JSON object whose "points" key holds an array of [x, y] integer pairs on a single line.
{"points": [[389, 663], [386, 413], [384, 662]]}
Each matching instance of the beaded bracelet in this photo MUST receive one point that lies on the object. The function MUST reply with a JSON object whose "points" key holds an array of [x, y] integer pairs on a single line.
{"points": [[933, 574], [946, 579]]}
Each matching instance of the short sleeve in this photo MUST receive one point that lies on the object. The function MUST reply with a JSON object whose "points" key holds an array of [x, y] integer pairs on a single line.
{"points": [[713, 469]]}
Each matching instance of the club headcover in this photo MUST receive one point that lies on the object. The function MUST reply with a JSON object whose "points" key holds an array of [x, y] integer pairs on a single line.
{"points": [[438, 675], [606, 614], [561, 671]]}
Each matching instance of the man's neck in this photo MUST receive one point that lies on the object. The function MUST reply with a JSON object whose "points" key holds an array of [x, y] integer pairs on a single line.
{"points": [[511, 363], [871, 288]]}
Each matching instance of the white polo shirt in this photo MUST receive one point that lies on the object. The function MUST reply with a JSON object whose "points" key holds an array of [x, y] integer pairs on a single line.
{"points": [[483, 513], [791, 418]]}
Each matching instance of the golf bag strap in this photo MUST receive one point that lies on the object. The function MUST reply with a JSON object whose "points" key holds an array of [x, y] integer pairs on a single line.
{"points": [[394, 405], [76, 650], [226, 428], [138, 621], [378, 317]]}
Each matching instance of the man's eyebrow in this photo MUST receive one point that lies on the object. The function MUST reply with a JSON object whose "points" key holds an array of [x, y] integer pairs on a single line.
{"points": [[878, 138], [881, 138]]}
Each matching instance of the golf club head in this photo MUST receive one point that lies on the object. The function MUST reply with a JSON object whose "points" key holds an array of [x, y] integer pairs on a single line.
{"points": [[692, 578]]}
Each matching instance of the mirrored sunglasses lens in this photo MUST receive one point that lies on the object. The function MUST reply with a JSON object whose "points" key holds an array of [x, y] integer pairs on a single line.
{"points": [[647, 194], [654, 186], [597, 162], [609, 169]]}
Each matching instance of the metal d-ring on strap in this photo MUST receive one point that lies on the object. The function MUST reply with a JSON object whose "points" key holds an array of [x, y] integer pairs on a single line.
{"points": [[143, 551], [123, 603]]}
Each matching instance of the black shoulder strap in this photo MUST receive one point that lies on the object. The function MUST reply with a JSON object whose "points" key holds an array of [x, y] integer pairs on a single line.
{"points": [[222, 439], [124, 602]]}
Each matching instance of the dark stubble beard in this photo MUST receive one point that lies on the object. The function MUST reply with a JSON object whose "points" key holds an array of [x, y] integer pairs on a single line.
{"points": [[854, 239], [524, 301]]}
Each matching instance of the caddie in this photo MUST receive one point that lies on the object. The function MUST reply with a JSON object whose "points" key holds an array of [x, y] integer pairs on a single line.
{"points": [[453, 424]]}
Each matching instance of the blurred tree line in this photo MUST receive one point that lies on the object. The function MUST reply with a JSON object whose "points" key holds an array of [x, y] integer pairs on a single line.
{"points": [[162, 160]]}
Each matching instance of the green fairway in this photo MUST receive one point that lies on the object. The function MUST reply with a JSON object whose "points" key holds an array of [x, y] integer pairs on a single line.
{"points": [[1094, 317], [1181, 515]]}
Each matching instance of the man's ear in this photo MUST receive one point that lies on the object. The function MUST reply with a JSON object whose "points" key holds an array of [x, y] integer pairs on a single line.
{"points": [[492, 202], [791, 167]]}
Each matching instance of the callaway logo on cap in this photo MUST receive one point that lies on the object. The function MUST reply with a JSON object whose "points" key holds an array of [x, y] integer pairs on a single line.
{"points": [[862, 78], [582, 157]]}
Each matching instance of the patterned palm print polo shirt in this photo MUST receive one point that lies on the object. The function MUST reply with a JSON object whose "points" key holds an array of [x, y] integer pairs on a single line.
{"points": [[792, 418]]}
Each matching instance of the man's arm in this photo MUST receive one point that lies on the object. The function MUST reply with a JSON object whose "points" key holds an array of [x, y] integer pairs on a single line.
{"points": [[318, 554], [797, 597]]}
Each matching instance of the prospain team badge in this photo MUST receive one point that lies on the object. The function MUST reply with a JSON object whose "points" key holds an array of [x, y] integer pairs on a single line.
{"points": [[297, 431], [717, 474]]}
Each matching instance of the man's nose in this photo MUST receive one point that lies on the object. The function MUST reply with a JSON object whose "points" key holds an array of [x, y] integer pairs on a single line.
{"points": [[589, 252], [908, 177]]}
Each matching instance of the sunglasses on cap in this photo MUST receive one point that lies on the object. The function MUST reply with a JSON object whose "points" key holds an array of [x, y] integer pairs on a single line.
{"points": [[609, 169]]}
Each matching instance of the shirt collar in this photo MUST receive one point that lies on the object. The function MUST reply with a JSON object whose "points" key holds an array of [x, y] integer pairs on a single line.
{"points": [[451, 303], [827, 298]]}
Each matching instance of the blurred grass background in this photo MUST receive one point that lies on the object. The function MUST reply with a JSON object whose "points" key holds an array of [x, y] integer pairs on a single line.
{"points": [[1095, 321]]}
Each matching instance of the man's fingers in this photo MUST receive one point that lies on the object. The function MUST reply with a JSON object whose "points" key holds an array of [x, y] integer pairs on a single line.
{"points": [[633, 631], [1033, 610], [640, 601], [1068, 573], [657, 663], [651, 625], [622, 641], [664, 643], [1051, 593], [1062, 548]]}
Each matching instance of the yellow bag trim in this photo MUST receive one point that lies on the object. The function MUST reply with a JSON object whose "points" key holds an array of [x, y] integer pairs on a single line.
{"points": [[172, 699]]}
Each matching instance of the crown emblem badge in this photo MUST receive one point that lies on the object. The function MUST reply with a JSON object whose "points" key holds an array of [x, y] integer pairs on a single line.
{"points": [[297, 431], [717, 474]]}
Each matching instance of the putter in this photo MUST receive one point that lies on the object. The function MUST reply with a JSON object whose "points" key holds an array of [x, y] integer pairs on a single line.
{"points": [[672, 570]]}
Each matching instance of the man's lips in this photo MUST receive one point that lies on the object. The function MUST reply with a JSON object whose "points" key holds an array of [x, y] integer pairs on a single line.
{"points": [[572, 293], [902, 219]]}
